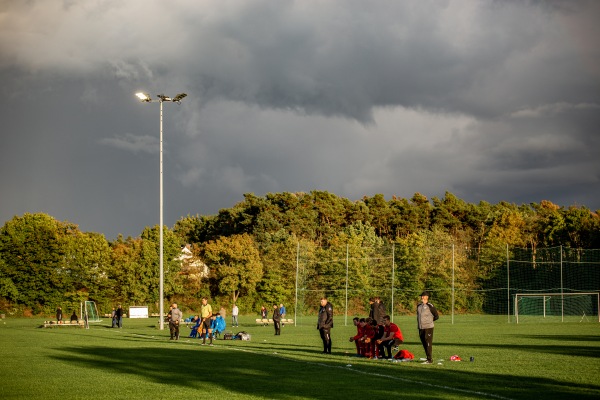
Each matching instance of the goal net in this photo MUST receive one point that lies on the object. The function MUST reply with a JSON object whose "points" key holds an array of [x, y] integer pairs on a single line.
{"points": [[92, 311], [581, 307]]}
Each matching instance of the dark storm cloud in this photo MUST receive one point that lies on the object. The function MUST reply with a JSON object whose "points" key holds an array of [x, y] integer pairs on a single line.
{"points": [[489, 100]]}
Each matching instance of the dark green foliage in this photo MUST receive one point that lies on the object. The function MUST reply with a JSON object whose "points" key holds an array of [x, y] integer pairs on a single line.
{"points": [[44, 262]]}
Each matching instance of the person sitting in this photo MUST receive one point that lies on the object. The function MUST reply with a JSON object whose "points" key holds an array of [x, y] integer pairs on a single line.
{"points": [[359, 334], [220, 325], [366, 345], [194, 331], [377, 332], [74, 318], [392, 337]]}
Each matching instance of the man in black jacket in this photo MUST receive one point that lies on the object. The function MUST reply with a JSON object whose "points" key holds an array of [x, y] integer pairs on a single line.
{"points": [[276, 319], [325, 323]]}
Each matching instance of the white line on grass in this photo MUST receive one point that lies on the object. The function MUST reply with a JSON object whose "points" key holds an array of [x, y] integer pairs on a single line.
{"points": [[474, 392]]}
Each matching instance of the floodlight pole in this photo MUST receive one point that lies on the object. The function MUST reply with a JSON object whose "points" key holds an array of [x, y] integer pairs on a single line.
{"points": [[161, 99], [161, 223]]}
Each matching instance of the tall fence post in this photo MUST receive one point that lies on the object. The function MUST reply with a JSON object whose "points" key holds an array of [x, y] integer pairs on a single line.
{"points": [[297, 267], [507, 284], [562, 295], [452, 283], [393, 276], [346, 313]]}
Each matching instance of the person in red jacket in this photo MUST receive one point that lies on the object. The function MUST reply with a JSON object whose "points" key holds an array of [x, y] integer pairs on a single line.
{"points": [[392, 336], [359, 334], [367, 342]]}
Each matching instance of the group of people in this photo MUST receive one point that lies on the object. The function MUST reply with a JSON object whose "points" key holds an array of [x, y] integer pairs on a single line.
{"points": [[117, 317], [279, 312], [207, 324], [59, 316], [376, 335]]}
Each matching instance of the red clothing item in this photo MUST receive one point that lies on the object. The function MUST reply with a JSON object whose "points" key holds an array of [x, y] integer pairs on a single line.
{"points": [[393, 329], [369, 331], [360, 332]]}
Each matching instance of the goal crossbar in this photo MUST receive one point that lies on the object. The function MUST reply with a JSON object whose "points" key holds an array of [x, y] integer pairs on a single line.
{"points": [[561, 295]]}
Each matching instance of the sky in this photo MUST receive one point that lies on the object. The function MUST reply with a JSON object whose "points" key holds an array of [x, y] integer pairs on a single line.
{"points": [[488, 100]]}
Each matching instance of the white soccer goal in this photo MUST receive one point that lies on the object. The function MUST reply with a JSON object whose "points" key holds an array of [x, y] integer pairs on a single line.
{"points": [[578, 306], [90, 308]]}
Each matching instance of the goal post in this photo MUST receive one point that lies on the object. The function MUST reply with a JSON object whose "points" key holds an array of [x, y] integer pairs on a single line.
{"points": [[90, 309], [545, 305]]}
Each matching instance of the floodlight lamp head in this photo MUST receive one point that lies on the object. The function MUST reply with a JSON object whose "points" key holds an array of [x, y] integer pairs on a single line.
{"points": [[143, 97], [177, 99], [162, 97]]}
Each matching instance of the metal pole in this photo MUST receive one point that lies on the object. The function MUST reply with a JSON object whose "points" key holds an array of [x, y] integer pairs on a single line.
{"points": [[297, 266], [452, 283], [562, 296], [161, 288], [507, 284], [346, 313], [393, 277]]}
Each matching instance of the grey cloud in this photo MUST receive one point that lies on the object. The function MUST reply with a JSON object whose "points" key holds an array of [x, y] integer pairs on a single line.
{"points": [[133, 143], [489, 100]]}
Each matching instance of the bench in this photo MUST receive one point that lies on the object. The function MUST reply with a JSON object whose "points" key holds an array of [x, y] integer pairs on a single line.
{"points": [[53, 324], [260, 321]]}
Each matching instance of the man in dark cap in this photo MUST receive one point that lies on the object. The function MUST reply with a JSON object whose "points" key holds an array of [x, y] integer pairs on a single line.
{"points": [[426, 314]]}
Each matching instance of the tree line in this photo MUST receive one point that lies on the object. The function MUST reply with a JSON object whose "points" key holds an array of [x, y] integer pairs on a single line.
{"points": [[248, 253]]}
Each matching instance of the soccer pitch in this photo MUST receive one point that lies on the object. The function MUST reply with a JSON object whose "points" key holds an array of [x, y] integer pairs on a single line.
{"points": [[549, 360]]}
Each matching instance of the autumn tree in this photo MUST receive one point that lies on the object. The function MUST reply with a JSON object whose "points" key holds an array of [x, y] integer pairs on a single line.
{"points": [[235, 265]]}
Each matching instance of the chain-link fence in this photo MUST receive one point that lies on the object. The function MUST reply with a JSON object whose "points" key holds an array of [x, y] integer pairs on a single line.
{"points": [[461, 280]]}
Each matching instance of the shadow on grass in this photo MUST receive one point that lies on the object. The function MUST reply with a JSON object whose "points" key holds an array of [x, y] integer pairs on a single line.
{"points": [[295, 371]]}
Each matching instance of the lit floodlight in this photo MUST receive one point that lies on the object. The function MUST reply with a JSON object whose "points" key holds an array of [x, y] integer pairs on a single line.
{"points": [[143, 97], [161, 99]]}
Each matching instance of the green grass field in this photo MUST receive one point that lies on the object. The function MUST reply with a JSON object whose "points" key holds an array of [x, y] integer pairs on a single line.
{"points": [[550, 360]]}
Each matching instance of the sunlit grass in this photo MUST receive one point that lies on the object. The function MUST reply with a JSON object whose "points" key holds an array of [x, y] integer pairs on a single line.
{"points": [[560, 360]]}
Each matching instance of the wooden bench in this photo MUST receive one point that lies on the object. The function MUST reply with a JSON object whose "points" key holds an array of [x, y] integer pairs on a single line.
{"points": [[260, 321], [54, 324]]}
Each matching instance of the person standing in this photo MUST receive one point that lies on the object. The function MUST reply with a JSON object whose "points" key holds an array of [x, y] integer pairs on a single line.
{"points": [[234, 315], [206, 314], [282, 312], [378, 311], [276, 320], [59, 315], [325, 324], [119, 316], [426, 314], [113, 317], [174, 321], [392, 336], [263, 315]]}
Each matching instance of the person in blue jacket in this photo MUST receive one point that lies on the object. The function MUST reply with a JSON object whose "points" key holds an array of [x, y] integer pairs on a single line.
{"points": [[282, 311], [194, 331], [220, 325]]}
